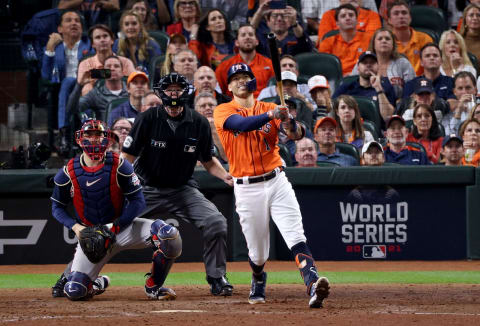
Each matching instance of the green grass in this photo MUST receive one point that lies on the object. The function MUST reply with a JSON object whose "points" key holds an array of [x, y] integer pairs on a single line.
{"points": [[287, 277]]}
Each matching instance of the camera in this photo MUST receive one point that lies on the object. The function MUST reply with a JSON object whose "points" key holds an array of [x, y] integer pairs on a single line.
{"points": [[278, 4]]}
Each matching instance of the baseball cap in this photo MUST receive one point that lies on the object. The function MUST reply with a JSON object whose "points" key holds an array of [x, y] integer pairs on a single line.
{"points": [[323, 120], [136, 74], [448, 138], [366, 146], [423, 85], [317, 81], [288, 75], [367, 54], [178, 36], [393, 118]]}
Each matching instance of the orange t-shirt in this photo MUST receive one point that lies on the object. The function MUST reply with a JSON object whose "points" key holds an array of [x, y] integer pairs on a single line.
{"points": [[433, 147], [249, 153], [261, 66], [347, 52], [412, 49], [475, 161], [367, 21]]}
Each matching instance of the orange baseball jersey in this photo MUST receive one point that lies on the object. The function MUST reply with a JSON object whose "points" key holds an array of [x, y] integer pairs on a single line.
{"points": [[347, 52], [412, 49], [367, 21], [249, 153]]}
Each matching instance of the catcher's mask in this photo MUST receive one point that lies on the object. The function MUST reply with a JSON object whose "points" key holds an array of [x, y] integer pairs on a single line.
{"points": [[170, 79], [94, 138]]}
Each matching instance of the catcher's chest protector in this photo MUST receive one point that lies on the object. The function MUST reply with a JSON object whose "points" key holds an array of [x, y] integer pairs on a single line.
{"points": [[97, 198]]}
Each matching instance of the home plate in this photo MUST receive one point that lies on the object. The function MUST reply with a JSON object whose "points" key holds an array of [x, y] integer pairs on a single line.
{"points": [[169, 311]]}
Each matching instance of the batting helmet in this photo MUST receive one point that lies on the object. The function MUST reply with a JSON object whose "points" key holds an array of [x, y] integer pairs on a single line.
{"points": [[243, 68], [170, 79], [94, 128]]}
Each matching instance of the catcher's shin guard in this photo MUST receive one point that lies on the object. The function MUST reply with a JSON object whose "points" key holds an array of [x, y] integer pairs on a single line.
{"points": [[78, 287], [167, 239], [306, 264], [160, 267]]}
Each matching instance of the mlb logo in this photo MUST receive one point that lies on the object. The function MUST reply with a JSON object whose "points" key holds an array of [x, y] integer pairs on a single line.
{"points": [[374, 251], [189, 149]]}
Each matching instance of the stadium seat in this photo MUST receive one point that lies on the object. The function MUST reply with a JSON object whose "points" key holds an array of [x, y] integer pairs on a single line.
{"points": [[113, 104], [161, 38], [474, 61], [314, 63], [349, 79], [428, 17], [270, 99], [430, 32], [348, 149], [370, 126], [327, 164], [369, 110], [285, 154], [330, 33]]}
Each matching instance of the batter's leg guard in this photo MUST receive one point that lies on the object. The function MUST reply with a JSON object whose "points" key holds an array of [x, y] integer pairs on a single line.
{"points": [[78, 287], [306, 264]]}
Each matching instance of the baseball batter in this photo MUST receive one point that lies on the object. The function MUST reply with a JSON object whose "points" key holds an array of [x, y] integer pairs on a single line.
{"points": [[105, 191], [248, 130]]}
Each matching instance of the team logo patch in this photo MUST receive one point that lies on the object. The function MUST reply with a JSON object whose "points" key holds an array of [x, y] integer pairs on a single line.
{"points": [[374, 251], [189, 148], [158, 143], [128, 142], [135, 180]]}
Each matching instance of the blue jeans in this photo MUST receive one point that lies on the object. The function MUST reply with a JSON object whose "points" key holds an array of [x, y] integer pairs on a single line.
{"points": [[66, 87]]}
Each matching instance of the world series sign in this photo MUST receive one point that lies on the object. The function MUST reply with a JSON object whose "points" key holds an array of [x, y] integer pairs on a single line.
{"points": [[383, 222]]}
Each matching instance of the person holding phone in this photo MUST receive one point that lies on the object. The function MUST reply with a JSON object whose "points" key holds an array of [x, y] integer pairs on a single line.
{"points": [[93, 105], [102, 40], [282, 20]]}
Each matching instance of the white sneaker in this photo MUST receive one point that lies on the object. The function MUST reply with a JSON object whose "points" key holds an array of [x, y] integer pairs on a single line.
{"points": [[101, 284]]}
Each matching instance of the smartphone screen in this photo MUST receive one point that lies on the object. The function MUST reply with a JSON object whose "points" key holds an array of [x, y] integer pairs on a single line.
{"points": [[100, 73]]}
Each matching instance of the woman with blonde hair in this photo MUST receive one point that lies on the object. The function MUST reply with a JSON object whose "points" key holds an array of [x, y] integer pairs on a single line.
{"points": [[176, 43], [426, 131], [391, 64], [454, 54], [135, 43], [350, 129], [471, 29], [186, 16]]}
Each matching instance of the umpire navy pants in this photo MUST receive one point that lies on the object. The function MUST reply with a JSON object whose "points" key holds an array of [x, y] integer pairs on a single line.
{"points": [[188, 203]]}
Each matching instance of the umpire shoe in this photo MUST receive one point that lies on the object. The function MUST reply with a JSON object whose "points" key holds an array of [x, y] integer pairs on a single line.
{"points": [[101, 284], [320, 290], [220, 286], [257, 292], [57, 289]]}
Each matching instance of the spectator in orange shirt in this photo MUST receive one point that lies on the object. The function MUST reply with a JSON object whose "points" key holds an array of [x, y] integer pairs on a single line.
{"points": [[409, 41], [261, 66], [470, 132], [426, 131], [214, 40], [367, 20], [349, 43]]}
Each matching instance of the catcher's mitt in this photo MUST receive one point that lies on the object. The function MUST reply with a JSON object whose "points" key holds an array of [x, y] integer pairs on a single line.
{"points": [[96, 241]]}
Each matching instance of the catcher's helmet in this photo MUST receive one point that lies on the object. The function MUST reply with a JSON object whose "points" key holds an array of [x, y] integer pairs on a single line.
{"points": [[96, 151], [170, 79], [243, 68]]}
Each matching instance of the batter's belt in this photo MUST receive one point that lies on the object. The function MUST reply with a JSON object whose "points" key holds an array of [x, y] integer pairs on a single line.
{"points": [[265, 177]]}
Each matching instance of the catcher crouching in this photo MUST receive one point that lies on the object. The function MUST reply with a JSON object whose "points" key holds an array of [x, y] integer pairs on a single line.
{"points": [[106, 196]]}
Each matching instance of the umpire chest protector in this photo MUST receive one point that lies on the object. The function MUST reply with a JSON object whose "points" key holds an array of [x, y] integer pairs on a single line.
{"points": [[97, 197], [169, 149]]}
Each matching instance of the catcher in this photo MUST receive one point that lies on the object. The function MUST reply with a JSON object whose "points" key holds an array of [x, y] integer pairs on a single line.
{"points": [[106, 196]]}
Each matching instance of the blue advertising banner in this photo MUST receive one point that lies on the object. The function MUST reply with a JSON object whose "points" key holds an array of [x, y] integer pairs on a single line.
{"points": [[384, 222]]}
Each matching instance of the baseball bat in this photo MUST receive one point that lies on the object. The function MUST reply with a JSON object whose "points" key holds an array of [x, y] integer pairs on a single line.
{"points": [[275, 56]]}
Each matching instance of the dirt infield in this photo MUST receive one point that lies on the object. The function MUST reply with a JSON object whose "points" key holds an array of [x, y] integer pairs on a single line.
{"points": [[286, 304]]}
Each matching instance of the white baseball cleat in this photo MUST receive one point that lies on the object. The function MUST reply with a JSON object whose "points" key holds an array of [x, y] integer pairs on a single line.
{"points": [[320, 290]]}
